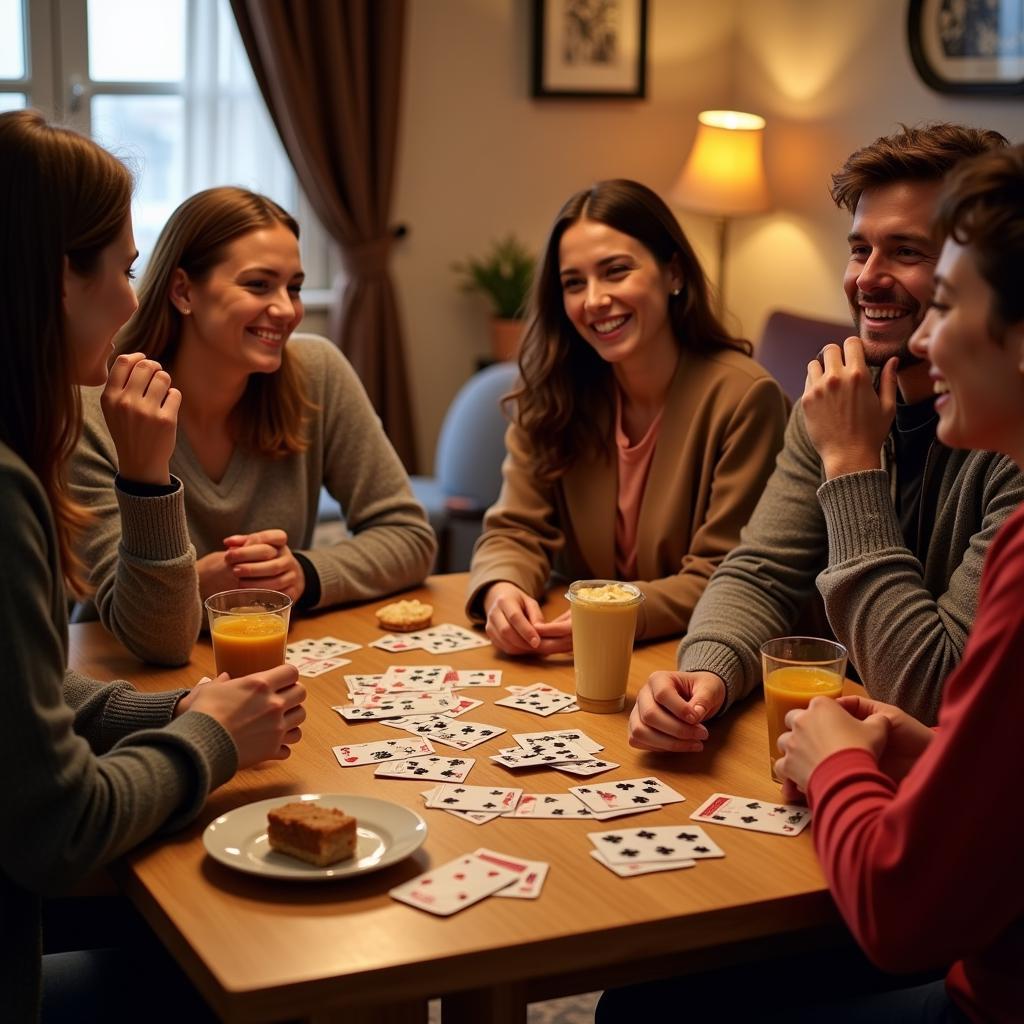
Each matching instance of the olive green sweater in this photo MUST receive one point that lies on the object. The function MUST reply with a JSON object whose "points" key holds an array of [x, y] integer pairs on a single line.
{"points": [[904, 624], [152, 604], [89, 769]]}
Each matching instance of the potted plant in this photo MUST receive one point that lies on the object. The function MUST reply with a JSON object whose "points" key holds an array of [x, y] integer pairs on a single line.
{"points": [[504, 274]]}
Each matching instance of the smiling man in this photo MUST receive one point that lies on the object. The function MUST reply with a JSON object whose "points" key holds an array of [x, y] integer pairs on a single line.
{"points": [[865, 507]]}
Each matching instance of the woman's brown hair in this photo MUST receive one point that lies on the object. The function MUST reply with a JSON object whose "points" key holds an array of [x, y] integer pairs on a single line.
{"points": [[982, 206], [564, 399], [272, 414], [63, 198]]}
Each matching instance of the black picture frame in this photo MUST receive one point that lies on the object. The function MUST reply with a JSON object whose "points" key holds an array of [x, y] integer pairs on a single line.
{"points": [[589, 49], [978, 49]]}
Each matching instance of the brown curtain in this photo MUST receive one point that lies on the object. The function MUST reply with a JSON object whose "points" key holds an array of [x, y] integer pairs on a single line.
{"points": [[330, 72]]}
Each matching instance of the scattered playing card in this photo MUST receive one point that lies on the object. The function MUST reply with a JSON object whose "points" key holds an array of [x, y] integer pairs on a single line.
{"points": [[395, 643], [492, 799], [585, 768], [467, 678], [577, 736], [473, 817], [456, 733], [556, 806], [433, 769], [332, 647], [448, 637], [615, 796], [537, 701], [631, 870], [755, 815], [416, 678], [383, 750], [655, 844], [318, 668], [464, 704], [558, 752], [457, 884], [530, 881], [363, 682], [397, 705]]}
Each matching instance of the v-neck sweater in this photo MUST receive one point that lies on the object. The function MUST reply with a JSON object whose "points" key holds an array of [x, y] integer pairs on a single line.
{"points": [[152, 605]]}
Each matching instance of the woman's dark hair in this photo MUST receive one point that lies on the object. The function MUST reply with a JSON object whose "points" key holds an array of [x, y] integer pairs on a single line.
{"points": [[982, 206], [564, 397]]}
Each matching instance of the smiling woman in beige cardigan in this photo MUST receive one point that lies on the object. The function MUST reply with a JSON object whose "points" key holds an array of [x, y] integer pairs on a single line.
{"points": [[643, 433]]}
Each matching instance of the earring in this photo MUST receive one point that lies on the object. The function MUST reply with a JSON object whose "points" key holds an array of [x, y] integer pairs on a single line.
{"points": [[185, 310], [676, 292]]}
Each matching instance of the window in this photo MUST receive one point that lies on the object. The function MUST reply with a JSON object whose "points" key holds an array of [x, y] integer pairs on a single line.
{"points": [[167, 86]]}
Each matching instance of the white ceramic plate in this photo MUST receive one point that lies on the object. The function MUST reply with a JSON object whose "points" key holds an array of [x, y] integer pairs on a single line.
{"points": [[386, 832]]}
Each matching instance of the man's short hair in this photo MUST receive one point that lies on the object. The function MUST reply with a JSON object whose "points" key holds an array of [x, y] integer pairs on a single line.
{"points": [[923, 153]]}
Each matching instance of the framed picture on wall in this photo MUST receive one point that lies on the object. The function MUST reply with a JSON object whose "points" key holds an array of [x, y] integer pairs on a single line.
{"points": [[590, 48], [968, 46]]}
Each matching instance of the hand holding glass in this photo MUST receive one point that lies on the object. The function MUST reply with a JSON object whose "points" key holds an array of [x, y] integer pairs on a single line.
{"points": [[249, 629], [796, 670]]}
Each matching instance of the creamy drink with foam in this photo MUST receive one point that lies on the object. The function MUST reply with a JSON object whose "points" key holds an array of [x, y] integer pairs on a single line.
{"points": [[603, 626]]}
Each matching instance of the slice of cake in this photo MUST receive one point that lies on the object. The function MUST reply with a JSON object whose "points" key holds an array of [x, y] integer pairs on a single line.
{"points": [[404, 616], [318, 835]]}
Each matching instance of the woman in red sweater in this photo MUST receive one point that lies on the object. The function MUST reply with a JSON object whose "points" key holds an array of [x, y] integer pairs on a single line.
{"points": [[921, 832]]}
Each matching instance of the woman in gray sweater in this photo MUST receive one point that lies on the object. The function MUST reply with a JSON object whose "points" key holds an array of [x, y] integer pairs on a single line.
{"points": [[90, 769], [267, 418]]}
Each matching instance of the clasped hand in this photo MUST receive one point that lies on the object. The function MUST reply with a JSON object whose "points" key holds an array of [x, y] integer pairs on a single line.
{"points": [[262, 560], [846, 421], [671, 708], [516, 625]]}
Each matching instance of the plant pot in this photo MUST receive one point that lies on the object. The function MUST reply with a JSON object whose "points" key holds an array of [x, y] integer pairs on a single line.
{"points": [[505, 338]]}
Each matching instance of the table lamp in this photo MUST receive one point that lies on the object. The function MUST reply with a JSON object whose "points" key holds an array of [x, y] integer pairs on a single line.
{"points": [[724, 175]]}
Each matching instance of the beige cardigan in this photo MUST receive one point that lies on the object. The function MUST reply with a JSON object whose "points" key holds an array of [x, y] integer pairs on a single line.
{"points": [[722, 427]]}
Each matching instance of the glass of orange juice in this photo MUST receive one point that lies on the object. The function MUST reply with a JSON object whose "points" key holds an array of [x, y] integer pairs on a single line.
{"points": [[249, 629], [796, 670]]}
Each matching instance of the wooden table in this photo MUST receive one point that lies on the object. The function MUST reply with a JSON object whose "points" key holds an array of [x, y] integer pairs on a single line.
{"points": [[266, 950]]}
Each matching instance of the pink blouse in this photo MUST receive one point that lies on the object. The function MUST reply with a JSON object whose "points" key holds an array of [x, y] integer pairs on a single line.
{"points": [[634, 467]]}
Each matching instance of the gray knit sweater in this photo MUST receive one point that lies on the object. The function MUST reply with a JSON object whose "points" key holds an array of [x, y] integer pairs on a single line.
{"points": [[905, 625], [152, 604], [89, 769]]}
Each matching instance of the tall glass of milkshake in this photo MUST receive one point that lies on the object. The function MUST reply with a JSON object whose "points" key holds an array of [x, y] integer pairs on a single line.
{"points": [[603, 626]]}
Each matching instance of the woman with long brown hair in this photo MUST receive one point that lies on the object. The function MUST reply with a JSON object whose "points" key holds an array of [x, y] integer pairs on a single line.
{"points": [[91, 769], [642, 432], [267, 419]]}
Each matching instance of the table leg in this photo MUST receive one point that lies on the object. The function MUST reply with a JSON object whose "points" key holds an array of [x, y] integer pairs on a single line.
{"points": [[499, 1004]]}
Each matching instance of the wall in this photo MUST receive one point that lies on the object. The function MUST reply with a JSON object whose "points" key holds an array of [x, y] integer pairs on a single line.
{"points": [[829, 76], [480, 158]]}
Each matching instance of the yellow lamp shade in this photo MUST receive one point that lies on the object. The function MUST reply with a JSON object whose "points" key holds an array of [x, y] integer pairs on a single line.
{"points": [[724, 174]]}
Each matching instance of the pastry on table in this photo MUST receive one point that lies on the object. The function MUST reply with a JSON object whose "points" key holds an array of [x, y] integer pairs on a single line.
{"points": [[315, 834], [404, 616]]}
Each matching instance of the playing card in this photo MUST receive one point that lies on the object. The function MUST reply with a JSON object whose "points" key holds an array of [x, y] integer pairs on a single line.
{"points": [[615, 796], [457, 884], [464, 704], [557, 806], [755, 815], [492, 799], [466, 678], [656, 844], [473, 817], [537, 701], [585, 768], [580, 738], [398, 705], [416, 678], [631, 870], [433, 769], [383, 750], [363, 682], [530, 881], [448, 637], [542, 754], [331, 647], [318, 668], [458, 733], [395, 643]]}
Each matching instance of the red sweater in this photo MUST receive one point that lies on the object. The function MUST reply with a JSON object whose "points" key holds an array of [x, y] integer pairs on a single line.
{"points": [[931, 872]]}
